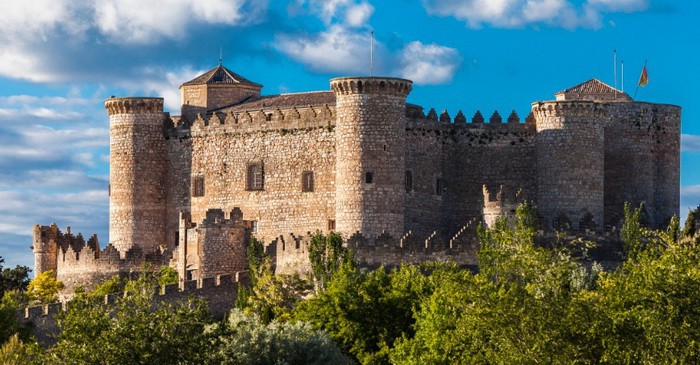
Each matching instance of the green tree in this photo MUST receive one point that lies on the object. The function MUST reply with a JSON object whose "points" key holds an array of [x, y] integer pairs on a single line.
{"points": [[9, 322], [246, 339], [326, 255], [366, 311], [15, 352], [44, 288], [689, 229], [167, 275], [632, 232], [255, 253], [13, 279], [274, 296], [134, 330]]}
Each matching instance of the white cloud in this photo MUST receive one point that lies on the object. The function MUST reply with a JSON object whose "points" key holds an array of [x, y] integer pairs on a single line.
{"points": [[358, 15], [690, 143], [137, 21], [429, 64], [167, 87], [334, 50], [518, 13]]}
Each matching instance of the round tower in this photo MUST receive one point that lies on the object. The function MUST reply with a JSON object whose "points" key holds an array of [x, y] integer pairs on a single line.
{"points": [[136, 175], [45, 247], [570, 162], [370, 154]]}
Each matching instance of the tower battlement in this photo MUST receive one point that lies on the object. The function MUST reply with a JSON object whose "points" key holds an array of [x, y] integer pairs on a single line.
{"points": [[371, 85], [133, 105]]}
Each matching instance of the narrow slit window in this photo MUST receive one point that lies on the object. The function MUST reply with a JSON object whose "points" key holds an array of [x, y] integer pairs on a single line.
{"points": [[409, 181], [307, 181], [198, 186], [331, 224], [438, 186], [369, 177]]}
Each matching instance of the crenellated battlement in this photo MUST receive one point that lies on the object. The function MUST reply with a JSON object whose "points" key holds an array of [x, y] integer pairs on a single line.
{"points": [[282, 120], [501, 202], [416, 119], [578, 108], [371, 85], [133, 105]]}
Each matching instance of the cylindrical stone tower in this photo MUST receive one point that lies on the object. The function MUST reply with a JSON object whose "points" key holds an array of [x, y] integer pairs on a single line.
{"points": [[45, 248], [570, 161], [136, 175], [370, 154]]}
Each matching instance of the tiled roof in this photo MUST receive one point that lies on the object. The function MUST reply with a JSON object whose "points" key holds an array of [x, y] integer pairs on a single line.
{"points": [[220, 75], [282, 101], [594, 87]]}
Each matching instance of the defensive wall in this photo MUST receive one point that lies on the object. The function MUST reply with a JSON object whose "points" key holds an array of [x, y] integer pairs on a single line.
{"points": [[219, 292]]}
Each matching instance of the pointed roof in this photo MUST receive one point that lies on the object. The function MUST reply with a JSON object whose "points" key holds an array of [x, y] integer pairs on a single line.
{"points": [[220, 75], [593, 89]]}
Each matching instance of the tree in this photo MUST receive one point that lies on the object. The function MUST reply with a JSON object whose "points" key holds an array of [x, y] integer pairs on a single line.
{"points": [[366, 311], [274, 296], [689, 229], [246, 339], [15, 352], [44, 288], [134, 330], [9, 323], [13, 279], [326, 255]]}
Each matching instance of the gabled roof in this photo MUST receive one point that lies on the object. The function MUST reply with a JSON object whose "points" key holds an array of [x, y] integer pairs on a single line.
{"points": [[592, 89], [220, 75], [282, 101]]}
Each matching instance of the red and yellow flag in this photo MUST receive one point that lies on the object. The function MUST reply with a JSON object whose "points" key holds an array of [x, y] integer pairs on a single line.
{"points": [[644, 77]]}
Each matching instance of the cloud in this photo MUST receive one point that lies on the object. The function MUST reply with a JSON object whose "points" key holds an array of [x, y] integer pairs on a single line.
{"points": [[145, 22], [690, 143], [429, 64], [519, 13], [335, 50], [358, 15]]}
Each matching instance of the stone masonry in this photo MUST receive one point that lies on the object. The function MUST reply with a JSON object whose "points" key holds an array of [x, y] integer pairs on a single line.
{"points": [[400, 184]]}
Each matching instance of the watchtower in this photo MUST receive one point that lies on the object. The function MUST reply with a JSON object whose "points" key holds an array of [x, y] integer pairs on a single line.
{"points": [[370, 150], [137, 173]]}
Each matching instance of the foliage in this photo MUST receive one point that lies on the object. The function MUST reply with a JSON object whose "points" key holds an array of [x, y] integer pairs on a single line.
{"points": [[689, 229], [255, 253], [13, 279], [632, 232], [15, 352], [274, 296], [245, 339], [44, 288], [167, 275], [326, 255], [134, 330], [9, 323], [112, 285], [366, 311]]}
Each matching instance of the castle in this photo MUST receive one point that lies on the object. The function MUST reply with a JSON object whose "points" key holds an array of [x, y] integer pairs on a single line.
{"points": [[400, 184]]}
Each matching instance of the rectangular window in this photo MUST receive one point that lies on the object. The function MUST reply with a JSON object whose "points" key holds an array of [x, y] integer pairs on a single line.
{"points": [[438, 186], [331, 224], [255, 178], [409, 181], [198, 186], [307, 181], [369, 177]]}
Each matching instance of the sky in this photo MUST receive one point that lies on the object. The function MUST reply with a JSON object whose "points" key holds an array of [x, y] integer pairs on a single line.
{"points": [[59, 60]]}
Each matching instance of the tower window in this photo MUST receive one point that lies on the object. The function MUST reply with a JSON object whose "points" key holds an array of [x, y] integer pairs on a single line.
{"points": [[198, 186], [307, 181], [409, 181], [369, 177], [268, 117], [331, 224], [438, 186], [255, 178]]}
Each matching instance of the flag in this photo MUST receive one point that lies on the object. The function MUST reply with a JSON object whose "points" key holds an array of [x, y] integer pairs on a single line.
{"points": [[644, 77]]}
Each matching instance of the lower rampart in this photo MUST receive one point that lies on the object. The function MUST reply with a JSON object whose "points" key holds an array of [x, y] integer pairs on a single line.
{"points": [[219, 292]]}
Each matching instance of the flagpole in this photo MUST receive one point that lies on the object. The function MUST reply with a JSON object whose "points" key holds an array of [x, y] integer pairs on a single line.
{"points": [[371, 53], [622, 86], [615, 71]]}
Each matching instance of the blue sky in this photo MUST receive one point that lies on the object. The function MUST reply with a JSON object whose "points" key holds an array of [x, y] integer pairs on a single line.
{"points": [[59, 59]]}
